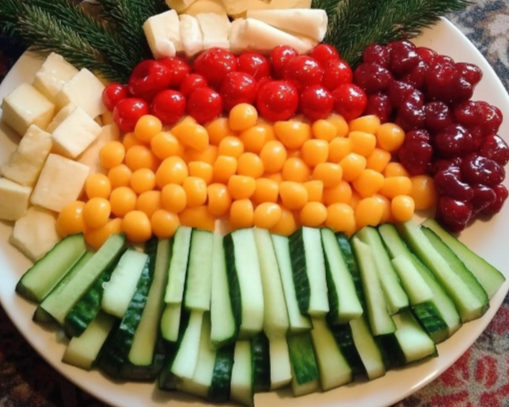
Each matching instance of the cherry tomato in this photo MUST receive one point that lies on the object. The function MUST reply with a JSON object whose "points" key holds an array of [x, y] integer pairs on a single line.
{"points": [[323, 53], [204, 104], [214, 64], [279, 57], [316, 102], [337, 72], [350, 101], [277, 100], [169, 106], [148, 78], [128, 111], [238, 87], [303, 71], [191, 82], [114, 93], [178, 67], [254, 64]]}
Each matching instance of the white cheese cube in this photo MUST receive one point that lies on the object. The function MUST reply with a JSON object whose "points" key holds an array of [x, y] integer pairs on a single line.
{"points": [[25, 163], [179, 5], [235, 7], [206, 6], [311, 23], [35, 233], [277, 4], [254, 35], [163, 34], [83, 90], [25, 106], [90, 156], [54, 73], [14, 199], [59, 117], [215, 29], [192, 37], [76, 132], [61, 182]]}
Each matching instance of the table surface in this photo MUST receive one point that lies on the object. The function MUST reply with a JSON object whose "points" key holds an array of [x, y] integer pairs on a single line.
{"points": [[479, 378]]}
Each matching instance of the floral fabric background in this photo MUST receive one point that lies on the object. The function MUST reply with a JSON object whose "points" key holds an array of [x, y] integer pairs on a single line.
{"points": [[480, 378]]}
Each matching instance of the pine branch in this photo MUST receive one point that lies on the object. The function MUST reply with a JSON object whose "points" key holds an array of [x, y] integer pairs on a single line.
{"points": [[9, 12], [105, 40], [330, 6], [39, 30], [359, 23]]}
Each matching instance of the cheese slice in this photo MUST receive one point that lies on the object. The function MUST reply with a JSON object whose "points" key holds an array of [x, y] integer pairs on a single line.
{"points": [[14, 199], [60, 117], [25, 106], [311, 23], [83, 90], [25, 163], [60, 183], [163, 34], [192, 37], [75, 133], [53, 74], [255, 35], [215, 29], [205, 6], [179, 5], [276, 4], [35, 233]]}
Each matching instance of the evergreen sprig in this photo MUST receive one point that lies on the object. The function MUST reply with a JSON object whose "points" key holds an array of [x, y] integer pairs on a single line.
{"points": [[358, 23]]}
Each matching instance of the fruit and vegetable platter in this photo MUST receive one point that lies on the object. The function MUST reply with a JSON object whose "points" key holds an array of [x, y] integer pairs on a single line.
{"points": [[257, 202]]}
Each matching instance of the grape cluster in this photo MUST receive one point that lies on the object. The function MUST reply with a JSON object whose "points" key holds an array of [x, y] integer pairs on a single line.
{"points": [[448, 135]]}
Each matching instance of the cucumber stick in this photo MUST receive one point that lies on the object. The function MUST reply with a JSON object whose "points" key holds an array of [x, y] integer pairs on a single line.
{"points": [[144, 351], [170, 322], [178, 265], [65, 299], [245, 283], [275, 320], [368, 349], [343, 335], [186, 358], [297, 321], [488, 276], [114, 354], [219, 391], [223, 328], [308, 268], [260, 352], [395, 297], [379, 319], [48, 307], [457, 286], [280, 366], [241, 385], [82, 351], [438, 316], [415, 286], [332, 365], [199, 271], [44, 275], [119, 290], [305, 374], [347, 253], [343, 300]]}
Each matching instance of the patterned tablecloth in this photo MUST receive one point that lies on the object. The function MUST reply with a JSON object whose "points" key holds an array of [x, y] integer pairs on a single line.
{"points": [[480, 378]]}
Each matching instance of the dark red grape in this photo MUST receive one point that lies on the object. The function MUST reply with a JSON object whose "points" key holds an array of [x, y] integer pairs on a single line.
{"points": [[438, 116], [372, 78], [468, 113], [417, 75], [403, 57], [501, 196], [472, 73], [398, 92], [476, 169], [440, 81], [415, 156], [410, 116], [417, 135], [454, 141], [427, 54], [483, 197], [448, 183], [379, 105], [496, 148], [453, 213], [377, 54]]}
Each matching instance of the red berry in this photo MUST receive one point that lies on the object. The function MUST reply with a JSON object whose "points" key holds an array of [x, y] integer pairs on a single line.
{"points": [[427, 54], [316, 102], [214, 64], [416, 155], [350, 101], [476, 169], [483, 197], [148, 78], [114, 93], [453, 214], [323, 53], [454, 141], [204, 104], [169, 106], [303, 71], [277, 100], [238, 87], [178, 67], [496, 148], [127, 112], [379, 105], [404, 57], [377, 54], [372, 78], [279, 57], [254, 64], [337, 72], [448, 183], [501, 196], [191, 82]]}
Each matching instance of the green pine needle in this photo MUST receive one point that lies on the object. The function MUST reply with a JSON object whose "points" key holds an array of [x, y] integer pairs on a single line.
{"points": [[359, 23]]}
